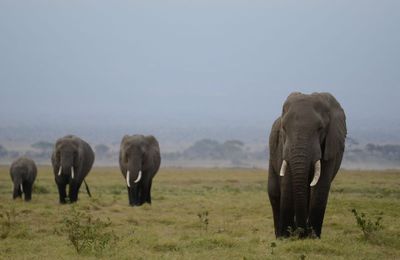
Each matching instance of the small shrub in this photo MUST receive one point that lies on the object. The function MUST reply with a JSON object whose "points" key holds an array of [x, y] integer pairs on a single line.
{"points": [[39, 189], [88, 235], [367, 226], [7, 220], [295, 233], [272, 245], [203, 217]]}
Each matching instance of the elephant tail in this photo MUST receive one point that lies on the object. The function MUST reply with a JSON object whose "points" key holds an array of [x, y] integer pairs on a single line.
{"points": [[87, 189]]}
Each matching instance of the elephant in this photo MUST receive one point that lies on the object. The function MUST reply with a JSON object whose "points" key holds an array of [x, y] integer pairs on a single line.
{"points": [[72, 160], [139, 161], [306, 144], [23, 173]]}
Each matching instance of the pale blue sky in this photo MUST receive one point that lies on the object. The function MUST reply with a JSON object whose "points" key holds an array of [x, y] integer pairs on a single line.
{"points": [[194, 62]]}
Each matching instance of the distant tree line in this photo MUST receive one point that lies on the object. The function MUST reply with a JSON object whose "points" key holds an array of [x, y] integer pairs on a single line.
{"points": [[387, 152], [234, 151], [208, 149]]}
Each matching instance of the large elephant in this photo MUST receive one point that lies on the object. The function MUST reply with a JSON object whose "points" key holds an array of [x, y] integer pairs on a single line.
{"points": [[23, 173], [139, 161], [306, 149], [72, 160]]}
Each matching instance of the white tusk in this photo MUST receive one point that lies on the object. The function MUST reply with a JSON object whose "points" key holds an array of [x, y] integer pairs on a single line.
{"points": [[138, 177], [127, 179], [72, 172], [22, 189], [317, 173], [283, 168], [59, 171]]}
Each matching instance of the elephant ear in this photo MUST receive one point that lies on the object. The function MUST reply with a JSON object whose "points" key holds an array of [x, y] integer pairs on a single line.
{"points": [[274, 139], [336, 132]]}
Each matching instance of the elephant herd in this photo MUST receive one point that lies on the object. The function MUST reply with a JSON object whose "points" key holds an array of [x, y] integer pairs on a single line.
{"points": [[72, 159], [306, 146]]}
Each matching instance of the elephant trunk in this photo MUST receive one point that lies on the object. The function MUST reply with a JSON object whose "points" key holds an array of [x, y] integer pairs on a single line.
{"points": [[299, 168]]}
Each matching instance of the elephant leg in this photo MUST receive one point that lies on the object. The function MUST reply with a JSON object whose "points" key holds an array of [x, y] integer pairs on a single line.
{"points": [[286, 214], [149, 191], [146, 197], [17, 192], [140, 194], [134, 195], [73, 191], [274, 196], [130, 196], [27, 191], [62, 192], [319, 199]]}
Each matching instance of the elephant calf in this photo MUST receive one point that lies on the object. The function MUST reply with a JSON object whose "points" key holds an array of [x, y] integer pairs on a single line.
{"points": [[23, 173], [72, 160], [139, 161]]}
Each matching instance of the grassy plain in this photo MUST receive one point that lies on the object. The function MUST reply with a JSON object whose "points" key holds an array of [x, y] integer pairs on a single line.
{"points": [[238, 225]]}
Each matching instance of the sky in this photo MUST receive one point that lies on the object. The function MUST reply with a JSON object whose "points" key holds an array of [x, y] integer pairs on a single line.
{"points": [[194, 63]]}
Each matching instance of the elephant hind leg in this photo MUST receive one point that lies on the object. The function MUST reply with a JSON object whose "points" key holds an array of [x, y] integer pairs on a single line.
{"points": [[27, 190], [147, 192]]}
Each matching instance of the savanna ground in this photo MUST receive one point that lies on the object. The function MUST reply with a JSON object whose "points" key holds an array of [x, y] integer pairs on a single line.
{"points": [[197, 214]]}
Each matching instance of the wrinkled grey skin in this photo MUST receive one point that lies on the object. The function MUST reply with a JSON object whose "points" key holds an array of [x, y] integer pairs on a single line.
{"points": [[311, 128], [71, 151], [23, 173], [139, 153]]}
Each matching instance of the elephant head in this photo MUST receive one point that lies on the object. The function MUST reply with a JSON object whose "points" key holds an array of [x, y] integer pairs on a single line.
{"points": [[17, 174], [132, 157], [312, 134], [66, 157]]}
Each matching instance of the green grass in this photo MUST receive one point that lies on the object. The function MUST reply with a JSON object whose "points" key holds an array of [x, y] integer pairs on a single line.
{"points": [[238, 224]]}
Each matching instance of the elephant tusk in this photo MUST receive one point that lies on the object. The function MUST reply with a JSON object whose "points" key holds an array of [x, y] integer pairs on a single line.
{"points": [[59, 171], [72, 172], [22, 189], [127, 179], [139, 177], [283, 168], [317, 173]]}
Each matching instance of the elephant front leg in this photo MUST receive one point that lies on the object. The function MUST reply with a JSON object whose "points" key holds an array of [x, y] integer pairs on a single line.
{"points": [[73, 191], [319, 199], [274, 197], [27, 191], [62, 192], [134, 193], [286, 213], [146, 192]]}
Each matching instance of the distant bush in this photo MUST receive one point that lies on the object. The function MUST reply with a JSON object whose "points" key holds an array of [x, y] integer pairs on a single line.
{"points": [[367, 226], [86, 234]]}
